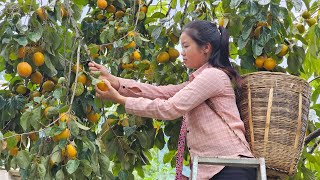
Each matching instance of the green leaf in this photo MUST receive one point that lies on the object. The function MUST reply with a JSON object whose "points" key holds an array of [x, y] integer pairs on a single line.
{"points": [[21, 41], [95, 163], [13, 56], [35, 118], [156, 33], [82, 126], [56, 154], [104, 163], [74, 128], [87, 169], [235, 3], [24, 120], [307, 174], [168, 156], [158, 15], [41, 170], [129, 130], [11, 141], [72, 166], [256, 48], [23, 159], [35, 36], [264, 2], [297, 4], [123, 175], [143, 140], [48, 68], [2, 102], [60, 175], [81, 2]]}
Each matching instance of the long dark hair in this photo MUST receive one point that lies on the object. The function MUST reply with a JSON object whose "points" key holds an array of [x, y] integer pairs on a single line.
{"points": [[203, 32]]}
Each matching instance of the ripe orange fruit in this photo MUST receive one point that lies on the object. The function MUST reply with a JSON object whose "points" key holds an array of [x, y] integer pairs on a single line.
{"points": [[221, 22], [48, 86], [132, 44], [18, 138], [51, 163], [93, 117], [36, 77], [71, 151], [38, 59], [63, 135], [41, 14], [257, 32], [14, 151], [24, 69], [102, 86], [261, 23], [136, 55], [33, 136], [259, 61], [111, 9], [102, 4], [269, 64], [64, 117], [88, 108], [46, 110], [63, 152], [163, 57], [63, 12], [119, 14], [284, 50], [82, 78], [131, 33], [21, 52], [144, 9], [126, 65], [74, 68], [173, 53]]}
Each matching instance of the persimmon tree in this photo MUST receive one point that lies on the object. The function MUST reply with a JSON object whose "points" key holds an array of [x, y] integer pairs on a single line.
{"points": [[52, 126]]}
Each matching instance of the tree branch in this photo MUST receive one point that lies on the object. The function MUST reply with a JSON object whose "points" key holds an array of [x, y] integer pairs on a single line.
{"points": [[314, 79], [184, 13], [314, 146], [312, 136], [149, 3], [168, 12]]}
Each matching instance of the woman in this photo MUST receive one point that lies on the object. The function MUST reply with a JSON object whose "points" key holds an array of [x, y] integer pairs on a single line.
{"points": [[205, 48]]}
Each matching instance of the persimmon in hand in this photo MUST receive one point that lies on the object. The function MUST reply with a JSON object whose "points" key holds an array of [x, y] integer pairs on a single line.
{"points": [[102, 86]]}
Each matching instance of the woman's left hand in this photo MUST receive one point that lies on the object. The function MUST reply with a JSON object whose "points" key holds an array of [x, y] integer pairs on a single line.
{"points": [[110, 94]]}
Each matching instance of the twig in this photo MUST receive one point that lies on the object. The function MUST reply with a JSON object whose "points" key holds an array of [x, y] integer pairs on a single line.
{"points": [[314, 79], [312, 136], [314, 146], [77, 73], [169, 9], [184, 13], [149, 3]]}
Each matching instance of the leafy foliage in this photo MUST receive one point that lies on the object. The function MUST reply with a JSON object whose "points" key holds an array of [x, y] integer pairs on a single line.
{"points": [[34, 135]]}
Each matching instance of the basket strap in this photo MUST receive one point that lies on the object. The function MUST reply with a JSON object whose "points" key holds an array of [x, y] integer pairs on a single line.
{"points": [[250, 122], [268, 118], [211, 105], [298, 132]]}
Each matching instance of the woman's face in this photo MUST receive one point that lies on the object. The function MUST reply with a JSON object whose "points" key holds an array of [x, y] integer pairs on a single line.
{"points": [[193, 55]]}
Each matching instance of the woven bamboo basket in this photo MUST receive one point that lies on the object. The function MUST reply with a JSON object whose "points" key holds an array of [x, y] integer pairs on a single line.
{"points": [[274, 107]]}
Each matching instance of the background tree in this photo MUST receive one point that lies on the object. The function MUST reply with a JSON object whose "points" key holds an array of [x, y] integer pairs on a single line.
{"points": [[51, 124]]}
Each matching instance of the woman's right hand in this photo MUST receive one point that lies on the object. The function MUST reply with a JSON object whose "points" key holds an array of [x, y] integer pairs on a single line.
{"points": [[104, 74]]}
